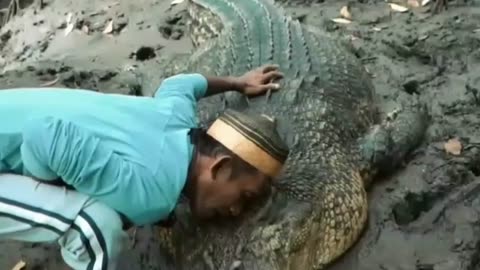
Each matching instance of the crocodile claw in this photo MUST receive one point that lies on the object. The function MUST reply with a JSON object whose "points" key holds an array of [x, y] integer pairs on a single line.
{"points": [[247, 99], [269, 94]]}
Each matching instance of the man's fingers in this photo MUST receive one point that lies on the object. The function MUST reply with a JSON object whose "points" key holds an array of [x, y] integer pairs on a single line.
{"points": [[268, 68], [273, 75], [261, 89], [271, 86]]}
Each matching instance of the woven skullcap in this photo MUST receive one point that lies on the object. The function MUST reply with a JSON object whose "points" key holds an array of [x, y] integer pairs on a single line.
{"points": [[253, 138]]}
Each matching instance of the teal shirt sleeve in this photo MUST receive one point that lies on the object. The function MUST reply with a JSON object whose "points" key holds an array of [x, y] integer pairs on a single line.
{"points": [[53, 148], [191, 86]]}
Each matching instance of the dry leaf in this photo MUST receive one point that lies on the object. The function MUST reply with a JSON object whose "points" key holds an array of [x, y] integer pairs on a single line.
{"points": [[423, 37], [378, 29], [19, 266], [69, 17], [69, 28], [85, 29], [413, 3], [341, 20], [108, 28], [176, 2], [114, 4], [50, 83], [425, 2], [398, 8], [345, 12], [453, 146]]}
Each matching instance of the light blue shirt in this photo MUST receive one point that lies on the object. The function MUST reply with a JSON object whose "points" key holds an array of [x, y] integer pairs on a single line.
{"points": [[132, 153]]}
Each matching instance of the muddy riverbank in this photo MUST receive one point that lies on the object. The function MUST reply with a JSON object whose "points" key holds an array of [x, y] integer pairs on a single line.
{"points": [[424, 217]]}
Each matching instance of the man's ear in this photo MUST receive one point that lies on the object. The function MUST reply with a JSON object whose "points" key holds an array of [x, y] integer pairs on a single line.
{"points": [[221, 168]]}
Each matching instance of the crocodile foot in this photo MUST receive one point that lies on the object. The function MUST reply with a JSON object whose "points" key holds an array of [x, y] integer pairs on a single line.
{"points": [[385, 146]]}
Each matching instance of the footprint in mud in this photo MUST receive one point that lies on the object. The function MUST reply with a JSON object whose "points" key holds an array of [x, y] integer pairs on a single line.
{"points": [[173, 27], [145, 53], [412, 206], [444, 175]]}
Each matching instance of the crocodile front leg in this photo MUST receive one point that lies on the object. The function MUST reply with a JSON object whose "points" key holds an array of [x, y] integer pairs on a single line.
{"points": [[385, 146]]}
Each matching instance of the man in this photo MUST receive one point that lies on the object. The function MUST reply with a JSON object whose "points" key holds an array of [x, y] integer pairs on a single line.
{"points": [[128, 160]]}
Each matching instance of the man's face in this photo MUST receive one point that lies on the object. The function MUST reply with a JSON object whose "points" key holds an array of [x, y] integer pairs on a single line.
{"points": [[220, 192]]}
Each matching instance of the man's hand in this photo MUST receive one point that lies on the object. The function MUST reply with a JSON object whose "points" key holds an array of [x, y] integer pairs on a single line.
{"points": [[254, 82], [259, 80]]}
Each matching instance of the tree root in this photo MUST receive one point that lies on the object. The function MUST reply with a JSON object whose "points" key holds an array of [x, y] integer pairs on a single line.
{"points": [[441, 5], [12, 10]]}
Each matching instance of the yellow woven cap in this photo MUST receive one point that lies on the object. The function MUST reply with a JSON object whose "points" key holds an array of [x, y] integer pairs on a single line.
{"points": [[253, 138]]}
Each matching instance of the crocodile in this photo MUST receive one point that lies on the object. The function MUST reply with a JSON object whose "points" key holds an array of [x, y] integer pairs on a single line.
{"points": [[327, 112]]}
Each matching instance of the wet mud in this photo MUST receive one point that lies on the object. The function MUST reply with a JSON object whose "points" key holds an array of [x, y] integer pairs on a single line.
{"points": [[426, 216]]}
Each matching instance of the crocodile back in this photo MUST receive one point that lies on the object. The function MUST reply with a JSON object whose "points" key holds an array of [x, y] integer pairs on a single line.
{"points": [[234, 36]]}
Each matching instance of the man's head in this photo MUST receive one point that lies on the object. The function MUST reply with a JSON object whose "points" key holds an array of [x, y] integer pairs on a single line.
{"points": [[237, 159]]}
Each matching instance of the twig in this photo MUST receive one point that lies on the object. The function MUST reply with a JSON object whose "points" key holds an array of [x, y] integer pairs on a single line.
{"points": [[13, 8], [50, 83], [133, 241]]}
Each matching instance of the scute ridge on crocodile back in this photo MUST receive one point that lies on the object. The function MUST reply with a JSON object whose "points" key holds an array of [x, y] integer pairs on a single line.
{"points": [[325, 106], [237, 29], [260, 27]]}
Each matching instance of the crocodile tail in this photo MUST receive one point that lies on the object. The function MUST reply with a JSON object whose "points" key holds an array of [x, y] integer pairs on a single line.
{"points": [[254, 32], [231, 23], [205, 21]]}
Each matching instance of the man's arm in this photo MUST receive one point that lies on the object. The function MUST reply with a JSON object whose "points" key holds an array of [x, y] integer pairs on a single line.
{"points": [[254, 82], [217, 85], [196, 86]]}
